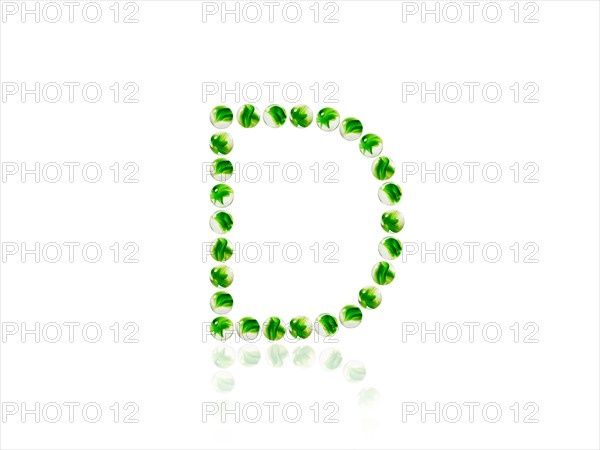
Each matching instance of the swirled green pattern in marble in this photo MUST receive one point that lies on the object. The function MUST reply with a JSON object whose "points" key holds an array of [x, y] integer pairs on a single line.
{"points": [[383, 273], [370, 145], [221, 169], [273, 329], [390, 248], [392, 221], [221, 195], [275, 116], [221, 143], [221, 117], [221, 222], [383, 168], [301, 116], [221, 276], [369, 297], [221, 328], [328, 119], [350, 316], [326, 325], [248, 328], [221, 302], [390, 194], [351, 129], [248, 116], [221, 250], [300, 327]]}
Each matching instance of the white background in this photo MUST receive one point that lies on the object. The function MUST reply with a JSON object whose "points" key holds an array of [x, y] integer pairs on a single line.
{"points": [[368, 54]]}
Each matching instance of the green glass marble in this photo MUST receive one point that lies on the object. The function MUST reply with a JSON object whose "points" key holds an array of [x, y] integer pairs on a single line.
{"points": [[273, 329], [351, 129], [221, 276], [276, 355], [369, 297], [390, 194], [275, 116], [221, 250], [221, 143], [392, 221], [326, 325], [301, 116], [328, 119], [249, 355], [300, 327], [221, 117], [248, 328], [221, 328], [221, 169], [221, 222], [223, 382], [355, 371], [221, 302], [221, 195], [383, 273], [223, 356], [350, 316], [390, 248], [383, 168], [370, 145], [248, 116], [330, 359], [304, 356]]}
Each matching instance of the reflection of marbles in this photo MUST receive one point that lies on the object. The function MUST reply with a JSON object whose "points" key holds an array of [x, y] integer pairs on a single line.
{"points": [[273, 329], [248, 116], [221, 250], [330, 359], [249, 355], [351, 129], [383, 168], [223, 356], [221, 143], [221, 302], [368, 398], [392, 221], [371, 145], [221, 117], [221, 328], [328, 119], [383, 273], [326, 325], [390, 248], [221, 276], [221, 169], [369, 297], [276, 355], [223, 382], [221, 222], [390, 194], [221, 195], [355, 371], [248, 328], [274, 116], [350, 316], [304, 356], [300, 327], [301, 116]]}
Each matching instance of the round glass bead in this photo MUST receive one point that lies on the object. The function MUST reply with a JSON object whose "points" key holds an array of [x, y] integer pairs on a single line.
{"points": [[221, 117]]}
